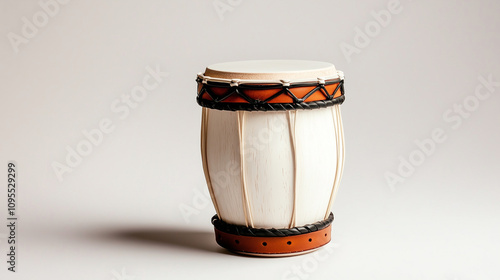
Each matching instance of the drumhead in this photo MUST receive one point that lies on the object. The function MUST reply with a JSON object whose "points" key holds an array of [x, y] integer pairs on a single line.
{"points": [[271, 70]]}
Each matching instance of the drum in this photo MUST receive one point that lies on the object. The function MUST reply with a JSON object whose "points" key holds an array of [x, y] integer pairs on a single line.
{"points": [[272, 149]]}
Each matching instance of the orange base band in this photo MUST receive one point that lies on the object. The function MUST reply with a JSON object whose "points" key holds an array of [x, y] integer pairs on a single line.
{"points": [[273, 245]]}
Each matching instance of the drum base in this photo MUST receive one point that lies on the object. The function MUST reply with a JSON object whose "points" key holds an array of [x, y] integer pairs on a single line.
{"points": [[272, 242]]}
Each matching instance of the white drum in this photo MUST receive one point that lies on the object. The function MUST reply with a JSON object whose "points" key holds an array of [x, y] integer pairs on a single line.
{"points": [[272, 149]]}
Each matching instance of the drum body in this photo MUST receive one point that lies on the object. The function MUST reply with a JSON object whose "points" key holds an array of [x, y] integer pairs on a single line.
{"points": [[272, 172], [268, 157]]}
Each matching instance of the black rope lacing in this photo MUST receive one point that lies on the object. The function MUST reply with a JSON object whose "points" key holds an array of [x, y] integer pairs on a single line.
{"points": [[218, 103], [262, 232]]}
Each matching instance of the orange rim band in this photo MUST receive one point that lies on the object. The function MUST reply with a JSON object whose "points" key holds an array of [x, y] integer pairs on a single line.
{"points": [[263, 94], [264, 97]]}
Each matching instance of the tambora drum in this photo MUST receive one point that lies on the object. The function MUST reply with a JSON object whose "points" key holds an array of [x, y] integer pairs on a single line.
{"points": [[272, 149]]}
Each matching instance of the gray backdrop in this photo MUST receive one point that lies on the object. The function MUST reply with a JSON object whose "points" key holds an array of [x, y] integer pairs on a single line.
{"points": [[109, 176]]}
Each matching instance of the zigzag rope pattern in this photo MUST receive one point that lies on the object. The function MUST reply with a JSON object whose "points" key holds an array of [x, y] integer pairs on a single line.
{"points": [[218, 103]]}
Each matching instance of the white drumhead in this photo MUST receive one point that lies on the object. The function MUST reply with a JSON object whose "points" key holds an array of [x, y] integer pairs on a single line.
{"points": [[271, 70]]}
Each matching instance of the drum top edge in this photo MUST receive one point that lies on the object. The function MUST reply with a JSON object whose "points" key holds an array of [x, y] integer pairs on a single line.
{"points": [[271, 70]]}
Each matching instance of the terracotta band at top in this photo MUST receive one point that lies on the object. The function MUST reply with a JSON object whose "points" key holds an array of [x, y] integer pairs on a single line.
{"points": [[267, 97]]}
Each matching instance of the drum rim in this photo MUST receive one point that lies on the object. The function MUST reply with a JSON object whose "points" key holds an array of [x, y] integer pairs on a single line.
{"points": [[237, 87]]}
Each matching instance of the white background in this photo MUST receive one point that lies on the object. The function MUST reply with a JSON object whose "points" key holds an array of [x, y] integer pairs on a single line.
{"points": [[117, 214]]}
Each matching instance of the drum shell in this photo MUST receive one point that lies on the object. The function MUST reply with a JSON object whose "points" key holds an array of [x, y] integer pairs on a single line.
{"points": [[289, 160]]}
